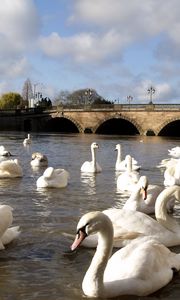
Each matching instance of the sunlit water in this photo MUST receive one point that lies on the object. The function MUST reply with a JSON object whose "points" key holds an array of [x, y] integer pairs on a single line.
{"points": [[37, 265]]}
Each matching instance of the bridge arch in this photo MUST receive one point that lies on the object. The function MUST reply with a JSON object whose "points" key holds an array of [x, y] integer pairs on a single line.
{"points": [[171, 125], [63, 124], [112, 121], [150, 132]]}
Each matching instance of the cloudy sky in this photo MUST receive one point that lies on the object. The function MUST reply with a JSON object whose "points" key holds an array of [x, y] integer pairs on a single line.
{"points": [[117, 47]]}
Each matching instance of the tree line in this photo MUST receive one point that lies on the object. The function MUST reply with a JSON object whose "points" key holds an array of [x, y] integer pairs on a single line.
{"points": [[14, 100]]}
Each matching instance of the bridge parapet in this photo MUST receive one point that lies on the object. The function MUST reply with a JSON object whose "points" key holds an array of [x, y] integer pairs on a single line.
{"points": [[121, 107], [93, 107]]}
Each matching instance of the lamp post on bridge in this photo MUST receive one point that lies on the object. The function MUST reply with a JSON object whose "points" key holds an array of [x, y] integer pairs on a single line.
{"points": [[151, 91], [129, 99], [88, 93]]}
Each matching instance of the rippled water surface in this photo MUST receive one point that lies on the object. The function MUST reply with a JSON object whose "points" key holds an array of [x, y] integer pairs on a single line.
{"points": [[37, 265]]}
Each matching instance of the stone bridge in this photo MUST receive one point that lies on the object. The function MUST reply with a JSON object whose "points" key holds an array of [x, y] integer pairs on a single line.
{"points": [[146, 119], [116, 119]]}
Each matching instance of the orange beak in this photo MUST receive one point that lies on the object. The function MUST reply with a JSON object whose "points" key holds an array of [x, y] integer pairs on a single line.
{"points": [[80, 236]]}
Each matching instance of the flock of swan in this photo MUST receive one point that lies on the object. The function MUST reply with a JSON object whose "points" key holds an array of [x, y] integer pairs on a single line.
{"points": [[11, 168], [144, 263]]}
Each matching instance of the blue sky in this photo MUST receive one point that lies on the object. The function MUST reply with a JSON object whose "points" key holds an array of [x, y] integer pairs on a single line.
{"points": [[117, 47]]}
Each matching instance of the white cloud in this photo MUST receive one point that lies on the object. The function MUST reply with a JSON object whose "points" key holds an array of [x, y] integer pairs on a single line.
{"points": [[94, 42], [110, 26], [19, 27], [163, 92], [19, 21], [83, 47], [157, 14], [18, 68], [136, 19]]}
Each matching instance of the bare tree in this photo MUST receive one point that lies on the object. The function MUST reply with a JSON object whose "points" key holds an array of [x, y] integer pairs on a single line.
{"points": [[84, 96], [27, 92], [62, 98]]}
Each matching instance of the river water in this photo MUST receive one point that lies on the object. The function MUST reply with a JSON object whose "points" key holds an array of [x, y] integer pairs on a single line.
{"points": [[37, 265]]}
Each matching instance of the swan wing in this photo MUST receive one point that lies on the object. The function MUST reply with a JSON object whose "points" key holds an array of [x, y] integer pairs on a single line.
{"points": [[6, 218], [121, 166], [10, 234], [41, 182], [88, 167], [10, 167], [61, 172], [133, 221], [55, 178], [145, 265]]}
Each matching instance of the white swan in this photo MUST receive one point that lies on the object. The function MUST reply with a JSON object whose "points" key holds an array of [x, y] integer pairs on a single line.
{"points": [[10, 169], [140, 268], [7, 233], [53, 178], [172, 174], [92, 166], [167, 162], [175, 152], [121, 165], [27, 141], [39, 160], [127, 180], [129, 225], [4, 152], [144, 196]]}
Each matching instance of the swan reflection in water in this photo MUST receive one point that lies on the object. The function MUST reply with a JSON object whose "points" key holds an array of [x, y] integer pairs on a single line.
{"points": [[11, 183], [89, 180]]}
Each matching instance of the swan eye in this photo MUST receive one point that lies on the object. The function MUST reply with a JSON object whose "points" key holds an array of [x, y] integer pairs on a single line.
{"points": [[83, 230]]}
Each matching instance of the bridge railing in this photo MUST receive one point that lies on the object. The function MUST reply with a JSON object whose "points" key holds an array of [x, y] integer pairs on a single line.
{"points": [[122, 107], [97, 107]]}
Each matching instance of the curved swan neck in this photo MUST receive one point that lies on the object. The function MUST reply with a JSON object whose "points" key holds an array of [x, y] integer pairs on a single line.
{"points": [[93, 281], [93, 152], [129, 163], [119, 155], [161, 208], [134, 200]]}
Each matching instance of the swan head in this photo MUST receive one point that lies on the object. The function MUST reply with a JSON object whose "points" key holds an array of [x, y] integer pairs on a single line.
{"points": [[128, 161], [4, 152], [143, 184], [91, 223], [7, 153], [35, 155], [118, 147], [41, 157], [128, 158], [94, 145]]}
